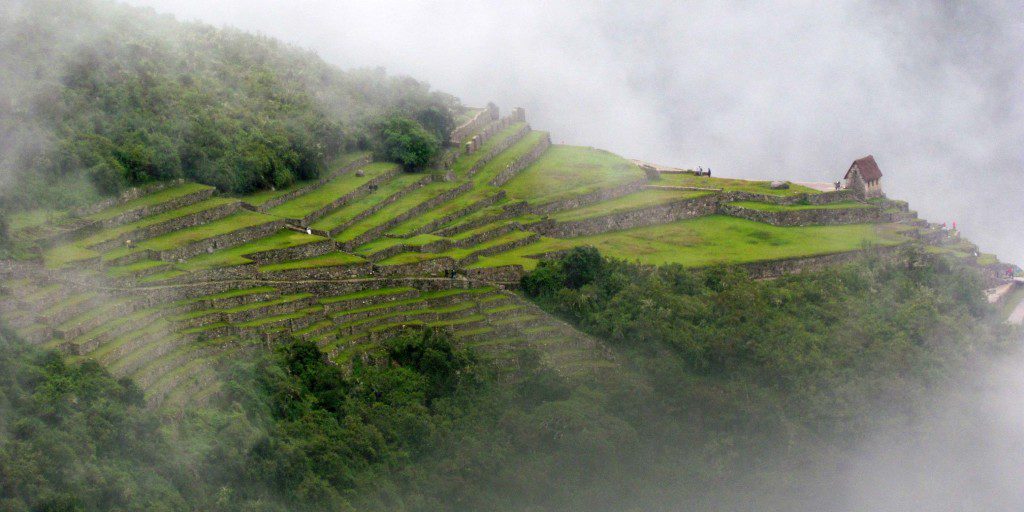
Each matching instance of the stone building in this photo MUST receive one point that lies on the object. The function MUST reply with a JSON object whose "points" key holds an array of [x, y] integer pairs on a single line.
{"points": [[865, 177]]}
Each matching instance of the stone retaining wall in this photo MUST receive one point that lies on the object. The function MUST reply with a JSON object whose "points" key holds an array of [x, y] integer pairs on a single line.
{"points": [[474, 144], [651, 215], [598, 196], [380, 206], [156, 209], [298, 252], [359, 192], [225, 241], [507, 211], [434, 267], [479, 205], [505, 274], [470, 127], [130, 194], [816, 217], [777, 268], [320, 273], [284, 198], [162, 228], [522, 162], [496, 150], [429, 204]]}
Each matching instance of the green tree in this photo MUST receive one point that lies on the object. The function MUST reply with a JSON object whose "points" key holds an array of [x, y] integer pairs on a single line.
{"points": [[404, 141]]}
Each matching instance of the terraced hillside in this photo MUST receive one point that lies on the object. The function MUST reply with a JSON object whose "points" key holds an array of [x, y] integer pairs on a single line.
{"points": [[164, 287]]}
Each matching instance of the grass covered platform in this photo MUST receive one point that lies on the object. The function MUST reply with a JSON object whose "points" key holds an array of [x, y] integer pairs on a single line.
{"points": [[711, 240], [261, 197], [567, 171], [768, 207], [327, 193], [731, 185], [634, 201], [162, 196], [234, 256]]}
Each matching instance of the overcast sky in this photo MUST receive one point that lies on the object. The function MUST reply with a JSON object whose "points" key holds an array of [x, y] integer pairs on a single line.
{"points": [[794, 90]]}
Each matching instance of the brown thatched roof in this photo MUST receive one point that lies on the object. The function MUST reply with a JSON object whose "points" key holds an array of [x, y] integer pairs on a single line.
{"points": [[867, 167]]}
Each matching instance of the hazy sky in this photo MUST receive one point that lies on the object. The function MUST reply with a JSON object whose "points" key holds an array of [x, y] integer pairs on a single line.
{"points": [[792, 90]]}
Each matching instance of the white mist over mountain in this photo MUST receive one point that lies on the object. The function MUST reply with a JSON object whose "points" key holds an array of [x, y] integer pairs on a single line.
{"points": [[794, 90]]}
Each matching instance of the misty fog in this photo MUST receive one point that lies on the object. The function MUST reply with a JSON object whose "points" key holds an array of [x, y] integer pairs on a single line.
{"points": [[795, 90]]}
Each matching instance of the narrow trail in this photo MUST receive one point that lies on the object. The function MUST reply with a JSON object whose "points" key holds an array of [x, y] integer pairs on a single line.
{"points": [[1017, 317]]}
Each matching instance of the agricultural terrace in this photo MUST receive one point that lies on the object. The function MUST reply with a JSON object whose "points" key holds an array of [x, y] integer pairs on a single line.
{"points": [[368, 250]]}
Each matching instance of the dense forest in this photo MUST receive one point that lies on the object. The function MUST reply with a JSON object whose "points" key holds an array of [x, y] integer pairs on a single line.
{"points": [[103, 96], [729, 389]]}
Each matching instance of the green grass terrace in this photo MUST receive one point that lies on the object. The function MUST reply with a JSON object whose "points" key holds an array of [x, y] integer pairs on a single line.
{"points": [[567, 171], [731, 185], [261, 197], [327, 193], [710, 241]]}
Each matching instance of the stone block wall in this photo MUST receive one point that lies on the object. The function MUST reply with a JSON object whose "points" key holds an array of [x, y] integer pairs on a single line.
{"points": [[509, 274], [430, 204], [227, 240], [497, 149], [380, 205], [777, 268], [647, 216], [522, 162], [434, 267], [470, 127], [580, 201], [478, 205], [337, 272], [298, 252], [128, 195], [284, 198], [156, 209], [162, 228], [359, 192], [816, 217]]}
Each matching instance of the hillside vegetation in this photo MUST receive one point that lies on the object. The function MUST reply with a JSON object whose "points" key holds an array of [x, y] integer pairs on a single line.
{"points": [[311, 289], [119, 96]]}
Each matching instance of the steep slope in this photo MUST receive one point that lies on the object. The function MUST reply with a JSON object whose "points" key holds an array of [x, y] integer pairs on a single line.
{"points": [[163, 286]]}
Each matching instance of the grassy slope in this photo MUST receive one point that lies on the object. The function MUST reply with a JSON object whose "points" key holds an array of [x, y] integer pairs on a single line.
{"points": [[565, 171], [163, 196], [710, 240]]}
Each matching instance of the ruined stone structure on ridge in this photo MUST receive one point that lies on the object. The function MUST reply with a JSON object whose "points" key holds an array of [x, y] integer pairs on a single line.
{"points": [[865, 178]]}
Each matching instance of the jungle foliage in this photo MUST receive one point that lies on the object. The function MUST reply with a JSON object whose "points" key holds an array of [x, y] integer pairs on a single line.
{"points": [[123, 96]]}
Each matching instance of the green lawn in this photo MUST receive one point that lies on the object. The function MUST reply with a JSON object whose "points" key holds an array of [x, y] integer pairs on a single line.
{"points": [[263, 196], [162, 196], [567, 171], [348, 212], [711, 240], [327, 260], [502, 161], [636, 200], [233, 256], [305, 204], [462, 164], [731, 185], [768, 207], [18, 221]]}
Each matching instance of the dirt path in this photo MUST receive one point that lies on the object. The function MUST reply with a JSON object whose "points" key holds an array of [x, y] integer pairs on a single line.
{"points": [[1017, 317]]}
